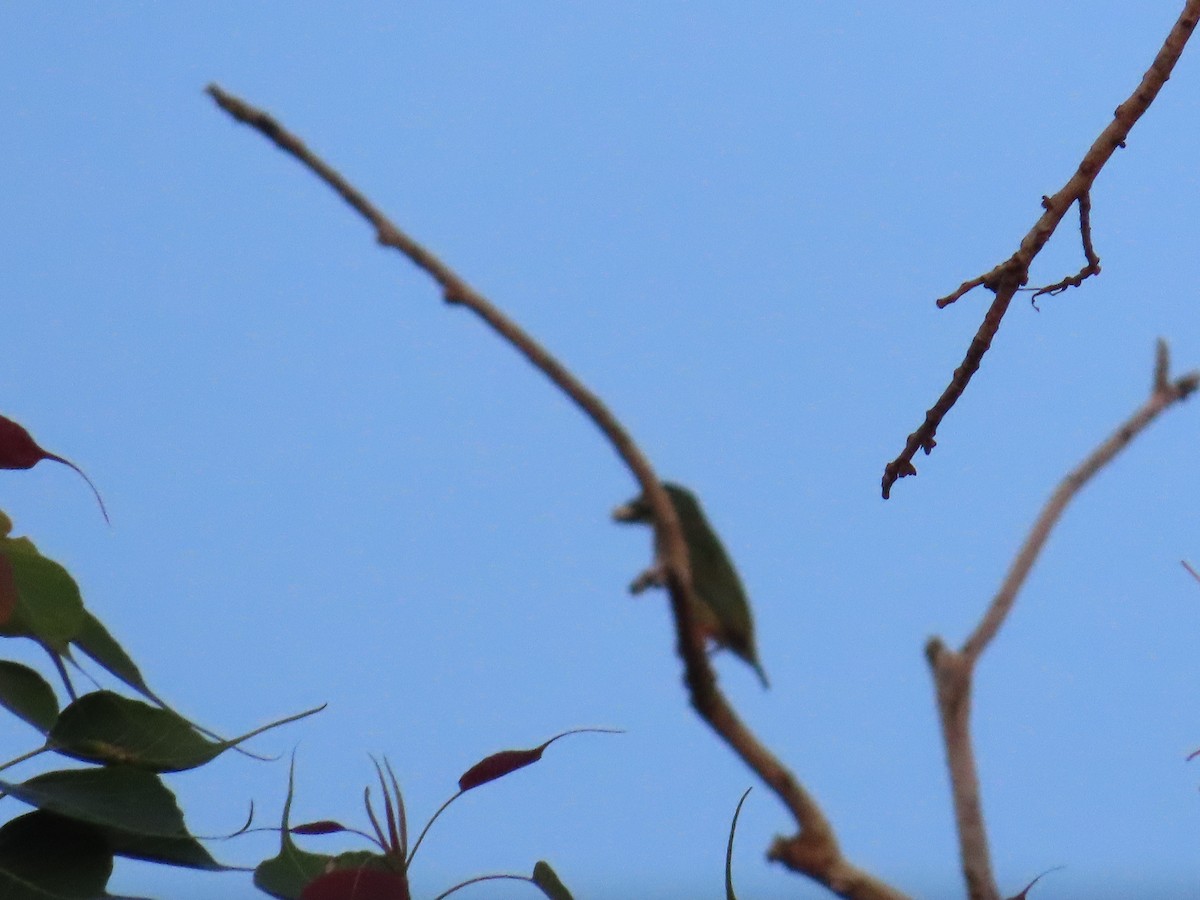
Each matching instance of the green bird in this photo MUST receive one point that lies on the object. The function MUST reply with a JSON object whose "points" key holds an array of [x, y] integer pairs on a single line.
{"points": [[724, 613]]}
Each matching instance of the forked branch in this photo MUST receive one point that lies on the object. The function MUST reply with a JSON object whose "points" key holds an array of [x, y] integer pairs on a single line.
{"points": [[1009, 276], [953, 671], [814, 850]]}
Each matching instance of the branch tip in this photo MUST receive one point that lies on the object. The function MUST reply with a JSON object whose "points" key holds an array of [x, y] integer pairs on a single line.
{"points": [[1186, 385], [1162, 365], [934, 648]]}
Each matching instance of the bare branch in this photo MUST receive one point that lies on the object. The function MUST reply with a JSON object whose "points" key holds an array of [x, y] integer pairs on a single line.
{"points": [[953, 676], [923, 438], [1013, 273], [953, 671], [814, 850], [1164, 394]]}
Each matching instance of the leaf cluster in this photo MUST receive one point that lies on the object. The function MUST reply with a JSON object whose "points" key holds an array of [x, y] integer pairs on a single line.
{"points": [[116, 804]]}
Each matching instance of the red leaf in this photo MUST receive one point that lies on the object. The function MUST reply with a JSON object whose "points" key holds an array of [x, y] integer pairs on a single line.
{"points": [[19, 451], [500, 764], [17, 448], [325, 826], [357, 884]]}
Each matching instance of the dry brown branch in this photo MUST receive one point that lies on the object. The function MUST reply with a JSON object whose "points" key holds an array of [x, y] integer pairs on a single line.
{"points": [[814, 850], [1005, 279], [953, 671]]}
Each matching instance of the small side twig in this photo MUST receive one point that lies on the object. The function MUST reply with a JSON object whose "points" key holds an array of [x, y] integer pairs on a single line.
{"points": [[814, 850], [964, 288], [1089, 253], [953, 671], [1005, 279]]}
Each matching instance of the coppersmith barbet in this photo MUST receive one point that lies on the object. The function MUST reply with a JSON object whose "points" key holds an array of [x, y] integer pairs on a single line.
{"points": [[724, 613]]}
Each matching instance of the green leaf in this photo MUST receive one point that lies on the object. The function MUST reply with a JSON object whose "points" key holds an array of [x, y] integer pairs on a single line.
{"points": [[285, 875], [94, 640], [27, 695], [8, 590], [546, 879], [44, 855], [105, 727], [184, 851], [13, 887], [134, 809], [729, 895], [49, 607]]}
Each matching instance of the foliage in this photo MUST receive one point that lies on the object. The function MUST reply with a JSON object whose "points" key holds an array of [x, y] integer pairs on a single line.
{"points": [[83, 818]]}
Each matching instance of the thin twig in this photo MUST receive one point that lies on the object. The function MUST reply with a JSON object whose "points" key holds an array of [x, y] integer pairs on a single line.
{"points": [[1089, 253], [814, 850], [1005, 279], [1163, 393], [953, 671], [965, 287]]}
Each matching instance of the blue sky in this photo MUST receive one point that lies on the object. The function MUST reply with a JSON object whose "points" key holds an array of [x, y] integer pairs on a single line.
{"points": [[731, 221]]}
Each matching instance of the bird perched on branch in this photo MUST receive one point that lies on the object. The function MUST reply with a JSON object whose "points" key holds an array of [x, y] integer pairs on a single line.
{"points": [[724, 612]]}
